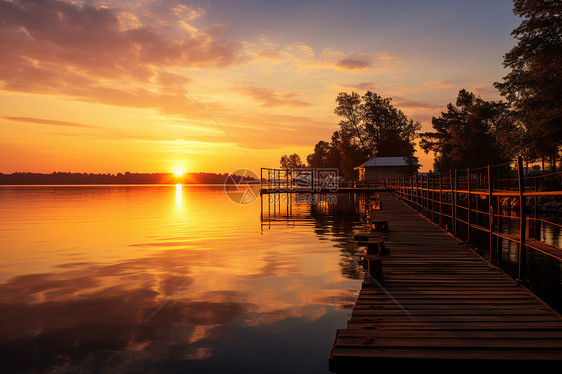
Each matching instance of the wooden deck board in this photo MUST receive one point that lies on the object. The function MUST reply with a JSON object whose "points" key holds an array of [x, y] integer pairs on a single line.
{"points": [[439, 301]]}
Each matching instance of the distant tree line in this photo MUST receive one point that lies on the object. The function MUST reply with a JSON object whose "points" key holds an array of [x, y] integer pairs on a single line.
{"points": [[119, 178], [472, 132]]}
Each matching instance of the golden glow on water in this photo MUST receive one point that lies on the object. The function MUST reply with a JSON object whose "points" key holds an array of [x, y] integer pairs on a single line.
{"points": [[179, 195], [110, 256]]}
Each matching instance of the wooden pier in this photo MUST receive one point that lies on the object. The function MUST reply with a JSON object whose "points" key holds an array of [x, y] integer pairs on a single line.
{"points": [[439, 302]]}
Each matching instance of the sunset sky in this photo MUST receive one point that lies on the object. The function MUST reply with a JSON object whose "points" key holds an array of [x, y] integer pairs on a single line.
{"points": [[94, 86]]}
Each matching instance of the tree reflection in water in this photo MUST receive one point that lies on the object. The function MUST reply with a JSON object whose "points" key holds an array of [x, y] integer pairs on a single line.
{"points": [[336, 217]]}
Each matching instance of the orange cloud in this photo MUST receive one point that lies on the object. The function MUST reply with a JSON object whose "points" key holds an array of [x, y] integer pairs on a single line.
{"points": [[55, 45], [438, 84], [365, 61], [41, 121], [268, 97], [353, 64], [300, 57], [403, 102], [363, 86]]}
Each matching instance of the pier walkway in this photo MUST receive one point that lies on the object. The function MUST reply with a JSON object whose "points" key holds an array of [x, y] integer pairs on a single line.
{"points": [[439, 302]]}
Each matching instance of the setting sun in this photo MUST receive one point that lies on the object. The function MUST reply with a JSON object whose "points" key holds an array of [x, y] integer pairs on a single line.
{"points": [[178, 172]]}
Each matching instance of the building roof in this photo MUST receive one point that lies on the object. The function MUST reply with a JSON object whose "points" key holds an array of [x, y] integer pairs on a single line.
{"points": [[387, 161]]}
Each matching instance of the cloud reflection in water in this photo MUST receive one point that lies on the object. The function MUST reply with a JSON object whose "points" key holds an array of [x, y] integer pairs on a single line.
{"points": [[263, 298]]}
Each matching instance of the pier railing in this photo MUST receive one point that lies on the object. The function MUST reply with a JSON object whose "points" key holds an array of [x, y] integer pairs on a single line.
{"points": [[480, 206], [287, 178], [274, 180], [309, 179]]}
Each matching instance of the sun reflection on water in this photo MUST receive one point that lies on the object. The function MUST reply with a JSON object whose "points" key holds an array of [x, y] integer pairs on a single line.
{"points": [[179, 195]]}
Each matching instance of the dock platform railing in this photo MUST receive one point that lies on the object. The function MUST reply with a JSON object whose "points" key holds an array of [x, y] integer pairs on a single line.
{"points": [[311, 180]]}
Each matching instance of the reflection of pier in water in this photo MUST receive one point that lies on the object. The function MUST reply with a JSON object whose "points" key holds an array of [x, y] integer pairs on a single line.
{"points": [[333, 216], [292, 207]]}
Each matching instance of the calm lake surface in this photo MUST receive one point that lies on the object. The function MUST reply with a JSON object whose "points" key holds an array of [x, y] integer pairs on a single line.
{"points": [[175, 279]]}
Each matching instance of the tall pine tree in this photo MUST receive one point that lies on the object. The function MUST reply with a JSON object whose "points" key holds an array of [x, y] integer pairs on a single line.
{"points": [[534, 85]]}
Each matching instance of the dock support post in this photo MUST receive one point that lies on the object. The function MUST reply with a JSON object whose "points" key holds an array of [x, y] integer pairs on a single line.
{"points": [[376, 248], [380, 226], [374, 267]]}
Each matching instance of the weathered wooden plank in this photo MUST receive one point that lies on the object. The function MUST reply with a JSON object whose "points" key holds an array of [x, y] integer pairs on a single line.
{"points": [[468, 334], [451, 343], [454, 308], [420, 303], [455, 325], [413, 290], [450, 311], [455, 318], [451, 354]]}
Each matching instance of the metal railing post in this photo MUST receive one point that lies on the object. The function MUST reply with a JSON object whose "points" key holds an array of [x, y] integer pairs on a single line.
{"points": [[440, 199], [432, 200], [468, 204], [454, 198], [522, 221], [425, 195], [491, 214]]}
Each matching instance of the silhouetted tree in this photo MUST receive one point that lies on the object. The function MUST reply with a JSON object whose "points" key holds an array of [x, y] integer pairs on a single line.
{"points": [[291, 161], [346, 154], [390, 132], [340, 152], [321, 156], [534, 85], [375, 125], [349, 106], [465, 135]]}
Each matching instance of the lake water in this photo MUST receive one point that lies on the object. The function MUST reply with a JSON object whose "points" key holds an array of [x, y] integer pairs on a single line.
{"points": [[175, 279]]}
